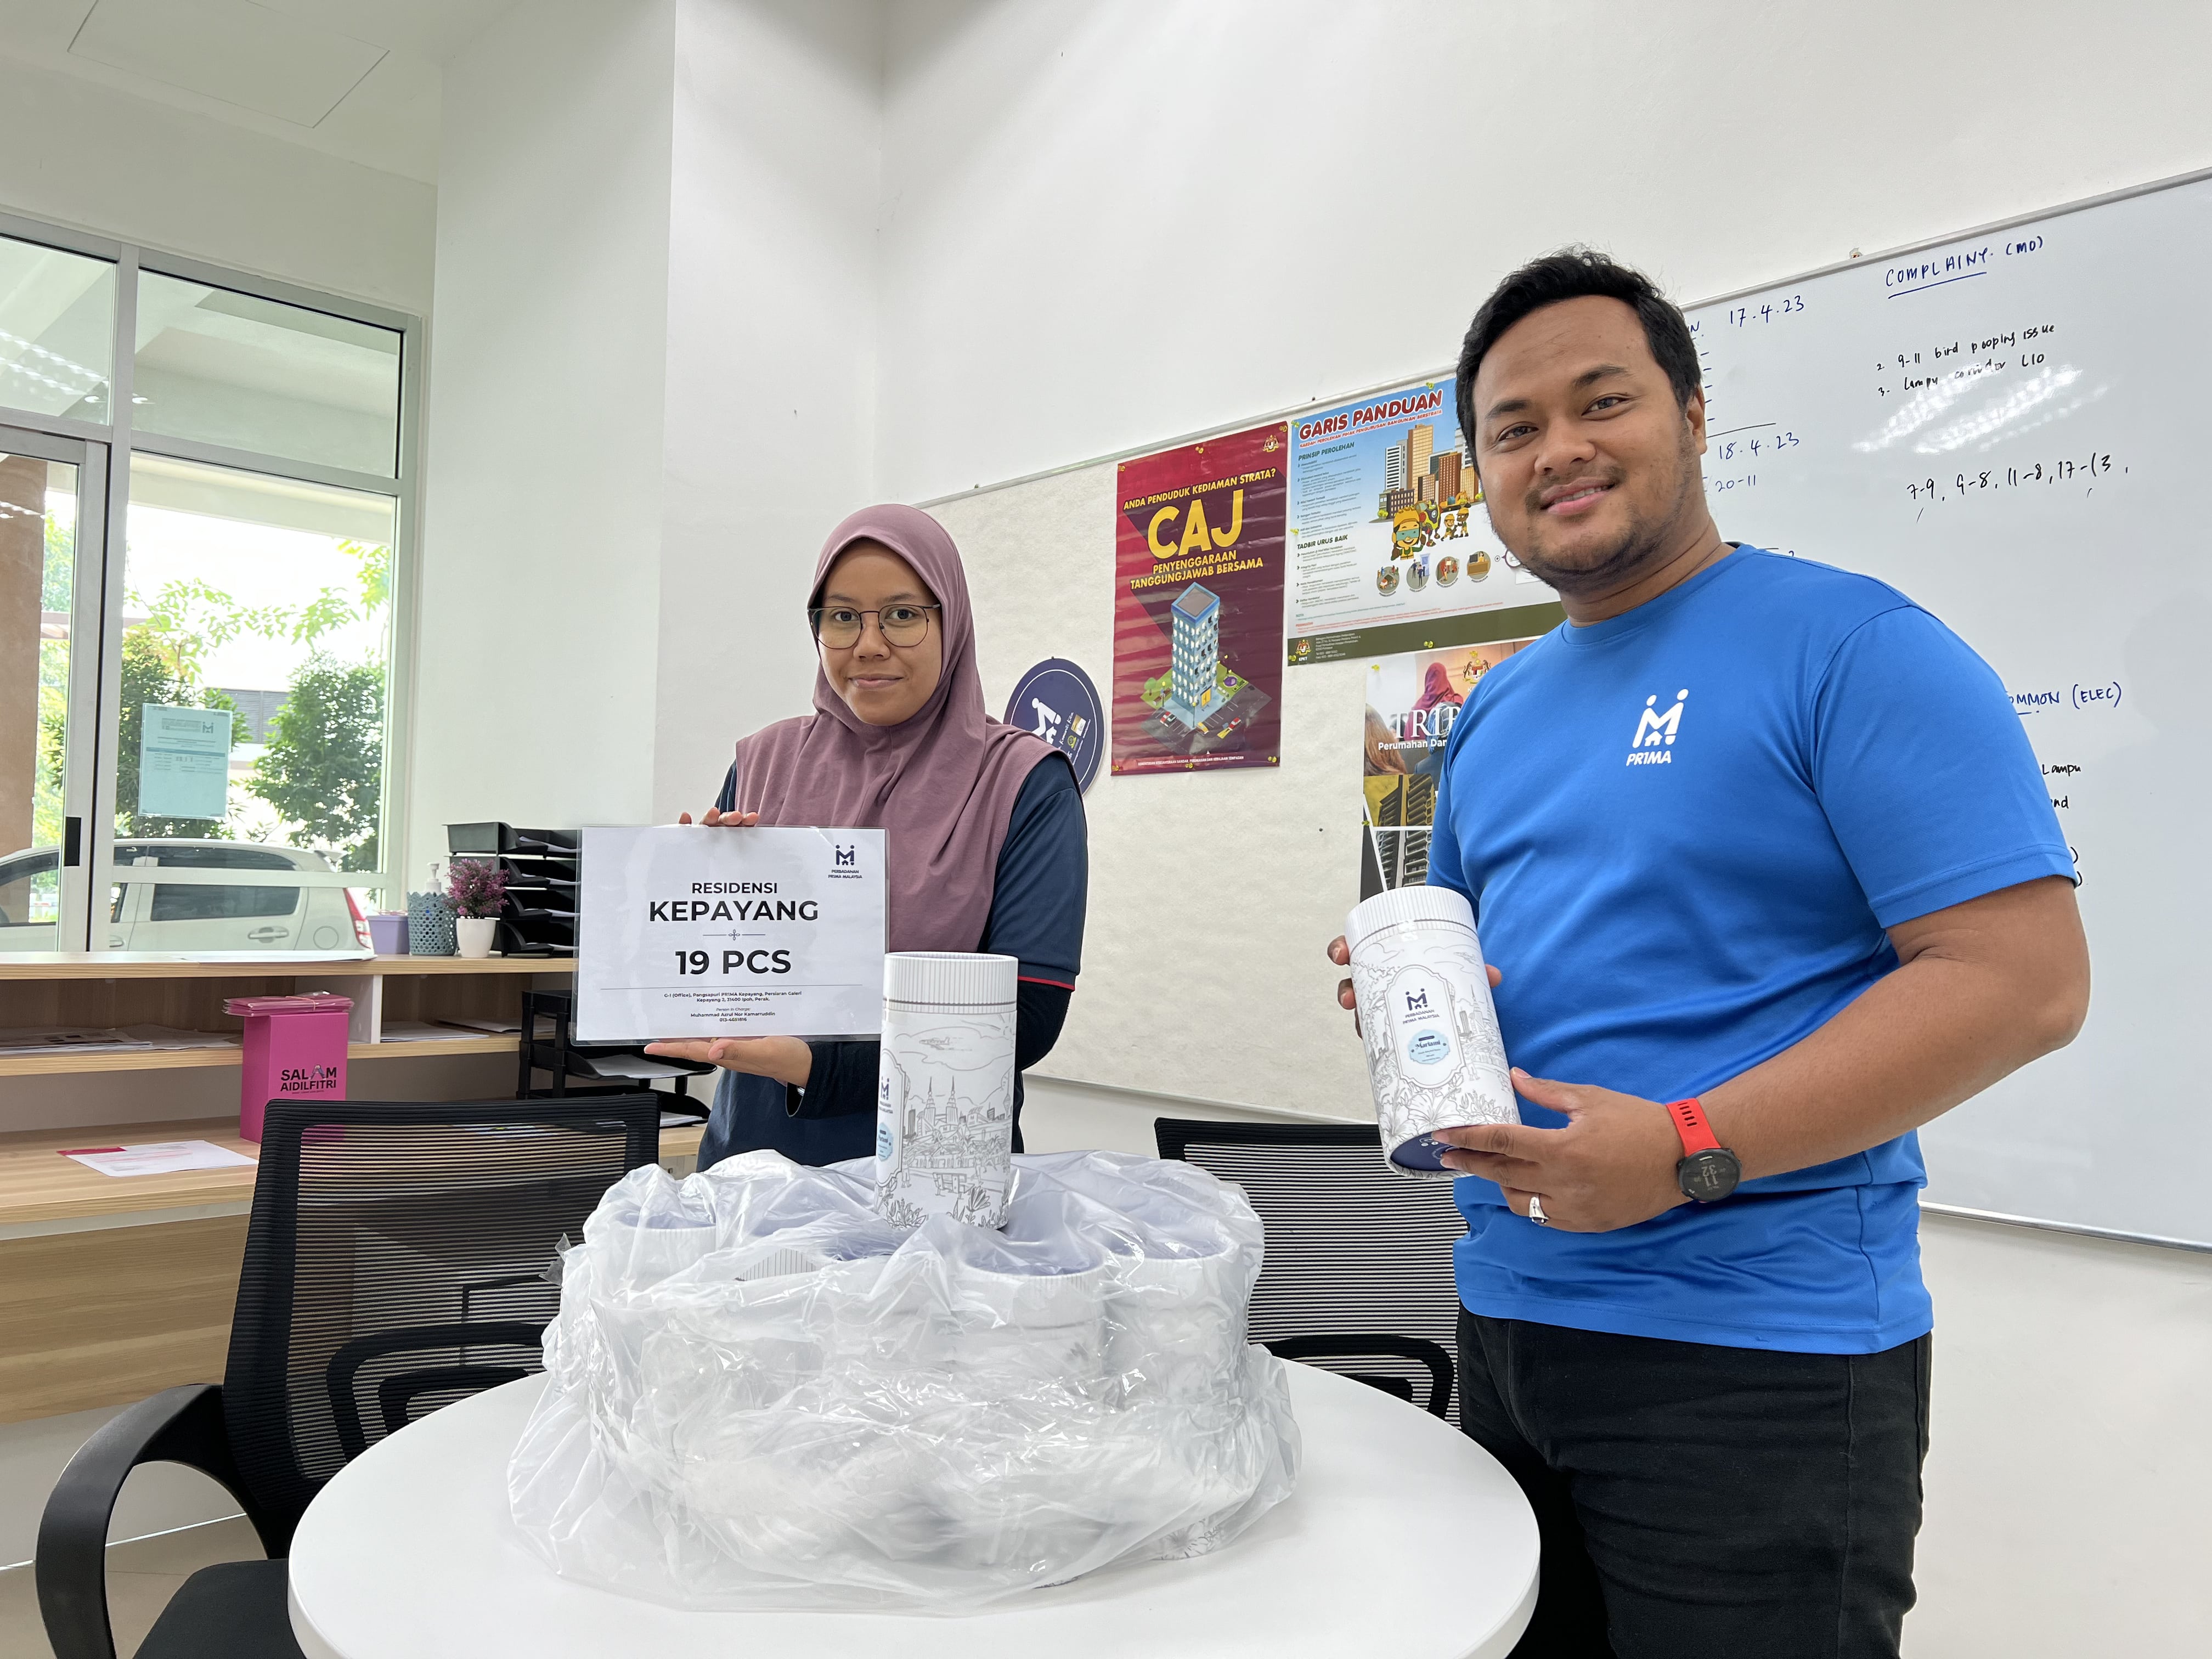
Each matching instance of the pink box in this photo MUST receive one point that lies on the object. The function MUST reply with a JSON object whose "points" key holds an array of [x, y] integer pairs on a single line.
{"points": [[295, 1049]]}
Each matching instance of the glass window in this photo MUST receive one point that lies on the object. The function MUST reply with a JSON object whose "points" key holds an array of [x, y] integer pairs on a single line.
{"points": [[255, 667], [173, 901], [38, 548], [30, 901], [56, 331], [244, 610], [246, 373]]}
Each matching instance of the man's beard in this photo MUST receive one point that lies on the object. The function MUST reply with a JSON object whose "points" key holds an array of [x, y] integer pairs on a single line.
{"points": [[1642, 542]]}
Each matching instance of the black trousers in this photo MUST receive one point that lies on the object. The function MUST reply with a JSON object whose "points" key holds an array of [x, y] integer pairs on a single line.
{"points": [[1725, 1502]]}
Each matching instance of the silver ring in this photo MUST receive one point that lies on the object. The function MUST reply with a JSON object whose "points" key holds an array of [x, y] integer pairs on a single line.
{"points": [[1536, 1210]]}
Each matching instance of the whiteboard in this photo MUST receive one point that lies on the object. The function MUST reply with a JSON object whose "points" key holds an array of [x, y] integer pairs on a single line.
{"points": [[2011, 427], [2037, 487]]}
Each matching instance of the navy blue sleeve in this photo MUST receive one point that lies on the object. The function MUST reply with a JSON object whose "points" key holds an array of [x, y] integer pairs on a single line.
{"points": [[1043, 878], [728, 797], [1927, 778]]}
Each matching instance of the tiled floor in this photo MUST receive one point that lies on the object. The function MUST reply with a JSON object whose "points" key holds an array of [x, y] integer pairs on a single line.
{"points": [[140, 1578]]}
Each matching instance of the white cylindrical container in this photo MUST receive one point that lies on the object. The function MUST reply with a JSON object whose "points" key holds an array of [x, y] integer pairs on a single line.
{"points": [[1433, 1052], [944, 1097]]}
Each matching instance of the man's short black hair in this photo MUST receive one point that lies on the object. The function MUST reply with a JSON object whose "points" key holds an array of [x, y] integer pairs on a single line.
{"points": [[1573, 273]]}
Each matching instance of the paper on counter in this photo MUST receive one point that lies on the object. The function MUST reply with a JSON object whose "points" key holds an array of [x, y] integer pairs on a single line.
{"points": [[75, 1039], [172, 1036], [158, 1157], [416, 1030]]}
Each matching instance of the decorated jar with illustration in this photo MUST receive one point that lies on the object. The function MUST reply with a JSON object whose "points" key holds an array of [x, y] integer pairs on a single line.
{"points": [[1434, 1057], [945, 1117]]}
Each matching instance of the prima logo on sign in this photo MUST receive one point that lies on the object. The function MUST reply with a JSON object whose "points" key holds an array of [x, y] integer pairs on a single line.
{"points": [[844, 858], [1657, 729], [1416, 1001]]}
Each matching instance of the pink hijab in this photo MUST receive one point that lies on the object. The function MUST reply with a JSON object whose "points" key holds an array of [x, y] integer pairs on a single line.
{"points": [[942, 781], [1436, 688]]}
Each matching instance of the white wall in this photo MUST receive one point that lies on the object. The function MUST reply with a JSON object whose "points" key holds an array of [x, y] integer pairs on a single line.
{"points": [[1107, 225], [73, 152], [1104, 224], [540, 594], [650, 395], [771, 360]]}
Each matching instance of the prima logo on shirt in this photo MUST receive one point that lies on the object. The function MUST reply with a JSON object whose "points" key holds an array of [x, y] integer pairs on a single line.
{"points": [[1657, 730]]}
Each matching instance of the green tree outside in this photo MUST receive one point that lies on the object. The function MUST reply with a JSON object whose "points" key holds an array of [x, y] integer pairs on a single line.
{"points": [[323, 771], [55, 588], [323, 768]]}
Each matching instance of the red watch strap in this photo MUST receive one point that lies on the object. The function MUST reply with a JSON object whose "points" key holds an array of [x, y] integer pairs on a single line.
{"points": [[1689, 1116]]}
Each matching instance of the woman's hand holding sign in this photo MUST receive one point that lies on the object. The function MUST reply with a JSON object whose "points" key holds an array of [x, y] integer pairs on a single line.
{"points": [[787, 1059]]}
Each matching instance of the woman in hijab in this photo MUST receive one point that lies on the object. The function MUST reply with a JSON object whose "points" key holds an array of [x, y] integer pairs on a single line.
{"points": [[985, 847], [1437, 692], [1436, 688]]}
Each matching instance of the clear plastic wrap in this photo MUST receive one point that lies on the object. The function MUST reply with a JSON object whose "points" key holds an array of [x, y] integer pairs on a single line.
{"points": [[761, 1395]]}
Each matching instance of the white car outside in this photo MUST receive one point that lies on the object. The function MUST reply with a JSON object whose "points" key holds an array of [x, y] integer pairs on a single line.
{"points": [[157, 915]]}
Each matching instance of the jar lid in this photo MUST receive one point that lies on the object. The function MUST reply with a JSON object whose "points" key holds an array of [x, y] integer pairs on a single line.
{"points": [[1402, 904], [963, 979]]}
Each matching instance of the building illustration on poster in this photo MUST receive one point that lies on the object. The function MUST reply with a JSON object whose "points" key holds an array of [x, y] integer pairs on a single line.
{"points": [[1197, 645], [1390, 549], [1198, 606]]}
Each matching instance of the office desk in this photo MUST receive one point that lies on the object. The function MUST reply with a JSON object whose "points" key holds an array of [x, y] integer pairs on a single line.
{"points": [[1403, 1538], [112, 1288]]}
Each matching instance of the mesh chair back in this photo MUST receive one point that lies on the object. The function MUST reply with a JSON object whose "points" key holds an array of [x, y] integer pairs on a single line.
{"points": [[399, 1256], [1352, 1250]]}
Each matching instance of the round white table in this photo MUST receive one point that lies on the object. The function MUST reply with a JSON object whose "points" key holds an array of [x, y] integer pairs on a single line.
{"points": [[1404, 1538]]}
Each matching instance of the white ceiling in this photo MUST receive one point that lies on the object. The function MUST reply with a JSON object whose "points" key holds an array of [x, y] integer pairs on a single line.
{"points": [[353, 78]]}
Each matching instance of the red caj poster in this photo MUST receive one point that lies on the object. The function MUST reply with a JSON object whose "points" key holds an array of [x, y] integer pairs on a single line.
{"points": [[1198, 604]]}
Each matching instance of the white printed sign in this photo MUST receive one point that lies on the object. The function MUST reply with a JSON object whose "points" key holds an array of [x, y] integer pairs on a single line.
{"points": [[685, 931], [184, 762]]}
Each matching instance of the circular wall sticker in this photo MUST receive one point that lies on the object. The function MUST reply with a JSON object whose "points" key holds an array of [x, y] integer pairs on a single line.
{"points": [[1057, 702]]}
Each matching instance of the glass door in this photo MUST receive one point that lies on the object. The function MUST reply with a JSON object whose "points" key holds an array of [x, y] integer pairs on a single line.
{"points": [[254, 672], [51, 493]]}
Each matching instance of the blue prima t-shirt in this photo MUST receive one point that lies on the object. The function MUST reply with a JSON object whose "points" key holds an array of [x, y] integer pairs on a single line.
{"points": [[1684, 830]]}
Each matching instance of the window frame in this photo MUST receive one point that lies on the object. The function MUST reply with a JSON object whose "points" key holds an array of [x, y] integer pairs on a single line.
{"points": [[108, 448]]}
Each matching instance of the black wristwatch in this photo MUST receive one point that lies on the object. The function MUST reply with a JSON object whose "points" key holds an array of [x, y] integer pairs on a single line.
{"points": [[1709, 1171]]}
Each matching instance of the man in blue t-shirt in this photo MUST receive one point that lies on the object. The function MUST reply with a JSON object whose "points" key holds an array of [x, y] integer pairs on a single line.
{"points": [[1772, 879]]}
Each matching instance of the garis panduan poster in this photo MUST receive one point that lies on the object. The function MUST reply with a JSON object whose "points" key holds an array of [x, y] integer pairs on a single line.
{"points": [[1198, 604]]}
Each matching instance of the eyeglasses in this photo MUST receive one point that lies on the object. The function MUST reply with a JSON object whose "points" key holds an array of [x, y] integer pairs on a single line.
{"points": [[838, 626]]}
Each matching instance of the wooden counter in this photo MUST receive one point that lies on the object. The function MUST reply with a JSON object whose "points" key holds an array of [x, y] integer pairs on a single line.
{"points": [[39, 1188], [144, 988], [113, 1287], [230, 964]]}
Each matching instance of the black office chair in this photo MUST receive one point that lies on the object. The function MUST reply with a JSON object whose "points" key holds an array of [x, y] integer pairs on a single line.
{"points": [[399, 1256], [1358, 1274]]}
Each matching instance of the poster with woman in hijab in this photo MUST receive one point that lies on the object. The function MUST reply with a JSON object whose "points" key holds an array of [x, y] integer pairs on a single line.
{"points": [[1198, 604], [1413, 701]]}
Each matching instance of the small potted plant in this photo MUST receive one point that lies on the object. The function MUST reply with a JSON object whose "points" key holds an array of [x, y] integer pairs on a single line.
{"points": [[475, 889]]}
